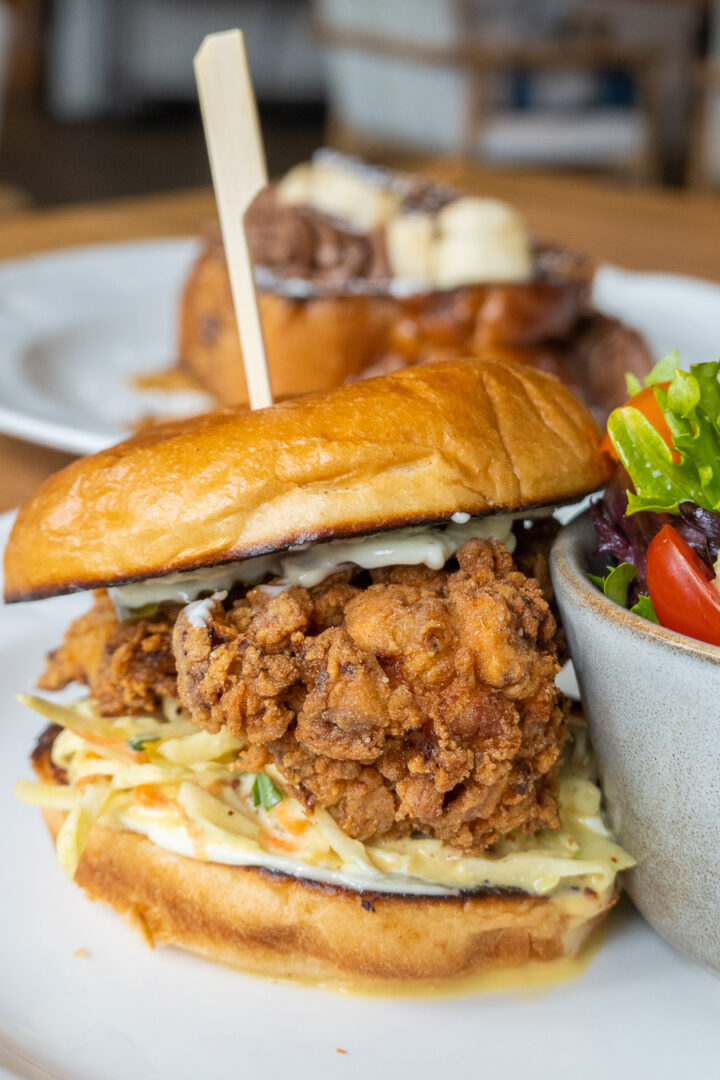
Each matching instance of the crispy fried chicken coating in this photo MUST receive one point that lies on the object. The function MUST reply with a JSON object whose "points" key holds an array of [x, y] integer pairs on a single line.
{"points": [[128, 666], [532, 557], [422, 702], [407, 700]]}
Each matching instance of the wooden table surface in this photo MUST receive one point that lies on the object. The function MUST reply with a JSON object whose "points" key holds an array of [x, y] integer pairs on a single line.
{"points": [[641, 229]]}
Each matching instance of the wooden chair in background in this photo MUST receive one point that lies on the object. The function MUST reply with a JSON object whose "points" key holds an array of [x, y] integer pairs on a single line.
{"points": [[631, 148]]}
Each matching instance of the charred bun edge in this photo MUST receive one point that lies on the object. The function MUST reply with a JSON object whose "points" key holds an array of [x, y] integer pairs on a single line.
{"points": [[286, 543]]}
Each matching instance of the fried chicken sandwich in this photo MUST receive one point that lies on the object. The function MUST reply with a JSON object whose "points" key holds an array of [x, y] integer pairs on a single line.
{"points": [[322, 736]]}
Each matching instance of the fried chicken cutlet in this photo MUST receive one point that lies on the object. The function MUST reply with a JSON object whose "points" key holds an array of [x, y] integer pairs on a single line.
{"points": [[404, 700]]}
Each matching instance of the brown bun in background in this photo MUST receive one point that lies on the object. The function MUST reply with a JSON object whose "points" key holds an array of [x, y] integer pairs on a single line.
{"points": [[311, 344], [315, 343], [411, 447], [319, 342]]}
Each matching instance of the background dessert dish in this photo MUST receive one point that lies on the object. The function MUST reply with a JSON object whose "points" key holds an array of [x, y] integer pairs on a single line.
{"points": [[323, 737], [366, 270]]}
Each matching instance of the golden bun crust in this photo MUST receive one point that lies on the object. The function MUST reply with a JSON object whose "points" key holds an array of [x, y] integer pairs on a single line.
{"points": [[411, 447], [285, 927], [311, 344]]}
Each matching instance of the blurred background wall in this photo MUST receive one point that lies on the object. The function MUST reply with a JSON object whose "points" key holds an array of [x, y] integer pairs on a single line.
{"points": [[98, 98]]}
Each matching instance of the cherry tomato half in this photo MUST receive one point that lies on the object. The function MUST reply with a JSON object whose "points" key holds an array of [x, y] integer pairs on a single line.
{"points": [[646, 402], [681, 589]]}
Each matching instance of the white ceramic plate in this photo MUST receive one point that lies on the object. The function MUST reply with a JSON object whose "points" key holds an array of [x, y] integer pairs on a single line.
{"points": [[125, 1011], [670, 310], [75, 326]]}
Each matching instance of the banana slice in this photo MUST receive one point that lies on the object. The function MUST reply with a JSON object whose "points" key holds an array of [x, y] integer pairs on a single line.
{"points": [[410, 241], [342, 192], [480, 240], [297, 184]]}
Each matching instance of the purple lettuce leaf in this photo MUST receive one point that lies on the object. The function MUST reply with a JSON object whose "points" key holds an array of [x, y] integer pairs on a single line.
{"points": [[626, 538], [701, 529]]}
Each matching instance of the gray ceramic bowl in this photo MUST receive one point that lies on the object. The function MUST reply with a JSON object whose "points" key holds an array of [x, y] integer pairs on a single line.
{"points": [[652, 699]]}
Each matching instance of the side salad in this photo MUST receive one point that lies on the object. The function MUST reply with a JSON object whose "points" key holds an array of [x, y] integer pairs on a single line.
{"points": [[658, 521]]}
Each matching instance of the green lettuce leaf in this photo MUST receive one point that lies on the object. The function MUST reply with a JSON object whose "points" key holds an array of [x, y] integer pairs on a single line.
{"points": [[645, 609], [632, 384], [691, 407], [615, 585], [664, 370], [616, 582]]}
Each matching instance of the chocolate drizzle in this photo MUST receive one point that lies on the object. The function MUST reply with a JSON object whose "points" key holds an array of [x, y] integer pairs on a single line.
{"points": [[297, 242]]}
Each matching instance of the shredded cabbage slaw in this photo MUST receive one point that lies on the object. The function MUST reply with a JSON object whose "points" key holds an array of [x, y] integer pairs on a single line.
{"points": [[172, 781]]}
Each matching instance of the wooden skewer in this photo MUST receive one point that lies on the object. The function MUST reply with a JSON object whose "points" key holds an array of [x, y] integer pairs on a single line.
{"points": [[237, 162]]}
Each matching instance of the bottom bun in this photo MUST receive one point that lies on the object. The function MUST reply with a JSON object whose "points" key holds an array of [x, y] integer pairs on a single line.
{"points": [[292, 928]]}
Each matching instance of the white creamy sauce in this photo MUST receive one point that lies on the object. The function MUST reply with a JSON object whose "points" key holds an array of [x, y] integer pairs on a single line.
{"points": [[273, 590], [431, 546], [537, 872], [198, 612], [176, 838], [309, 565], [183, 587]]}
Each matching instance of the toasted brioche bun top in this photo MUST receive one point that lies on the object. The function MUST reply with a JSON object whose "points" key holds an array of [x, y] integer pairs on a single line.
{"points": [[412, 447]]}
